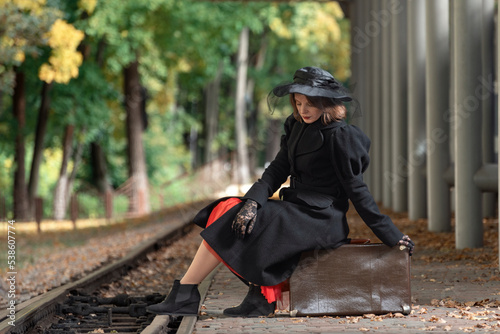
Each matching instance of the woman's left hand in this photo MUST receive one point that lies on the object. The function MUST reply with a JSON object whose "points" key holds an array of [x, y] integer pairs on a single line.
{"points": [[245, 219], [406, 241]]}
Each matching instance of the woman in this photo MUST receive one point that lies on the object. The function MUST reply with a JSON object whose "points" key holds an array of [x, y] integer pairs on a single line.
{"points": [[261, 239]]}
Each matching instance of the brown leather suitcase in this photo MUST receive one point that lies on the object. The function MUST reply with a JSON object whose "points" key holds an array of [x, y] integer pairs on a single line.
{"points": [[352, 280]]}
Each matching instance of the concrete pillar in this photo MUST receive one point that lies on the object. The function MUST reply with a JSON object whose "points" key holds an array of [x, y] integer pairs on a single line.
{"points": [[364, 43], [417, 190], [467, 19], [359, 66], [437, 113], [487, 97], [386, 87], [498, 137], [399, 105], [375, 28], [356, 71], [452, 90], [361, 43], [363, 51]]}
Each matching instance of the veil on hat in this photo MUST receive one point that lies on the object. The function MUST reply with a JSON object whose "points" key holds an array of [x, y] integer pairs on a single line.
{"points": [[314, 82]]}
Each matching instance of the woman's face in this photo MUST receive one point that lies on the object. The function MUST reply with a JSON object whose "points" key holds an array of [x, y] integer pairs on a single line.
{"points": [[307, 111]]}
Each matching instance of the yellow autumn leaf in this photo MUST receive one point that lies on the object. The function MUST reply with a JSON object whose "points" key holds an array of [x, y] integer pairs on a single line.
{"points": [[64, 61], [20, 56], [279, 28], [87, 5], [35, 6]]}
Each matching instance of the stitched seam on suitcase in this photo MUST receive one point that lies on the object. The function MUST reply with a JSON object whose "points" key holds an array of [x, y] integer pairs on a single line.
{"points": [[316, 291], [375, 281]]}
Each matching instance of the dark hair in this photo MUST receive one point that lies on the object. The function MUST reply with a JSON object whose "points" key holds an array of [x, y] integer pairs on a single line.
{"points": [[333, 110]]}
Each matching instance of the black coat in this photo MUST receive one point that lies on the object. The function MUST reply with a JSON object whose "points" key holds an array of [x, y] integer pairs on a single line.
{"points": [[325, 164]]}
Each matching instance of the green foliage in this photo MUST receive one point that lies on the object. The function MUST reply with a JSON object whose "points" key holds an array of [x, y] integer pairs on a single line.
{"points": [[83, 102], [6, 163], [167, 155], [22, 29], [91, 205], [180, 46], [124, 25]]}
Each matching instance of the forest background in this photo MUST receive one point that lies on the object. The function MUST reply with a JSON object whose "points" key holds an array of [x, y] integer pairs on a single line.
{"points": [[137, 98]]}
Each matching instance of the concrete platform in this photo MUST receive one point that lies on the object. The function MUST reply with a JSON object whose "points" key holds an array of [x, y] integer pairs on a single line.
{"points": [[437, 290]]}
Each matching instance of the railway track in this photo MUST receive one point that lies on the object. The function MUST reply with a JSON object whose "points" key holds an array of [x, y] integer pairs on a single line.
{"points": [[75, 308]]}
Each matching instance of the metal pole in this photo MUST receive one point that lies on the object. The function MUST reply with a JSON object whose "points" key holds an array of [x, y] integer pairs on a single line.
{"points": [[386, 19], [354, 10], [417, 207], [452, 92], [437, 113], [363, 83], [365, 43], [486, 178], [467, 16], [498, 124], [376, 121], [486, 96], [399, 106]]}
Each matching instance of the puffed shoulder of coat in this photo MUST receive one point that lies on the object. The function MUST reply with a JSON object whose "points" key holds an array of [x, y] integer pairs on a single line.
{"points": [[350, 152], [350, 148]]}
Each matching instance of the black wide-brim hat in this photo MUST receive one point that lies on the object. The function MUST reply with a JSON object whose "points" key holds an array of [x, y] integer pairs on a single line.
{"points": [[314, 81]]}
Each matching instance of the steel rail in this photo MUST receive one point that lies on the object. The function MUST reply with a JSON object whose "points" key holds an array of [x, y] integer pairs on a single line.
{"points": [[32, 312]]}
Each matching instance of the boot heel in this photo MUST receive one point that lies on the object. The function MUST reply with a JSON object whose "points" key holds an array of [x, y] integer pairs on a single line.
{"points": [[183, 300], [254, 305]]}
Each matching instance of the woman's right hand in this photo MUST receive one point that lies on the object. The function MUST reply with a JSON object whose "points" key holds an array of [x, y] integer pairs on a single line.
{"points": [[245, 219], [407, 242]]}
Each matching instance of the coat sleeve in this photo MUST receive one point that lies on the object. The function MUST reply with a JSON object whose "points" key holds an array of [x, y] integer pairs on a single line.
{"points": [[350, 158], [276, 173]]}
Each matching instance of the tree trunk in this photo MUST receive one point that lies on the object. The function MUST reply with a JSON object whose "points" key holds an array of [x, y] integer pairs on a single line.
{"points": [[41, 127], [100, 55], [193, 147], [254, 107], [76, 163], [139, 197], [20, 192], [243, 170], [212, 113], [99, 168], [99, 165], [60, 195]]}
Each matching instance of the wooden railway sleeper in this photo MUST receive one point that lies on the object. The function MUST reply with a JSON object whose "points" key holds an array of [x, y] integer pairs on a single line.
{"points": [[134, 310], [118, 300]]}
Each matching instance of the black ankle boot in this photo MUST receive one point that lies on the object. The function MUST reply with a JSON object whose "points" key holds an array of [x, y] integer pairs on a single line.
{"points": [[183, 299], [254, 305]]}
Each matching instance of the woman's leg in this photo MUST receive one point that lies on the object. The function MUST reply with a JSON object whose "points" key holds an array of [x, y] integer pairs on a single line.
{"points": [[205, 261], [184, 297], [202, 265]]}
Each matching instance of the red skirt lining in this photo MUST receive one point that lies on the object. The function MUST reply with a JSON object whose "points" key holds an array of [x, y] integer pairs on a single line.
{"points": [[272, 293]]}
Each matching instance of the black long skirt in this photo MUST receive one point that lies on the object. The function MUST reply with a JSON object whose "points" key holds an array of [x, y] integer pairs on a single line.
{"points": [[282, 231]]}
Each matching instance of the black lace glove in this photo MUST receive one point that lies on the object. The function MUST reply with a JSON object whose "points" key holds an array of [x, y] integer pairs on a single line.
{"points": [[407, 242], [245, 219]]}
